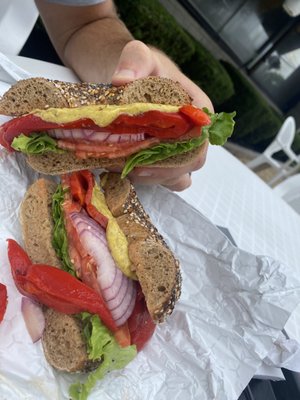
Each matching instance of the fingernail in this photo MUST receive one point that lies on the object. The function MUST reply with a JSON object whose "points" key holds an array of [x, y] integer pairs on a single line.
{"points": [[124, 74]]}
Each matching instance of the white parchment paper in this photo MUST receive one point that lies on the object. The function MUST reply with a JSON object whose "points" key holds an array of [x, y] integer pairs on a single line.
{"points": [[233, 307]]}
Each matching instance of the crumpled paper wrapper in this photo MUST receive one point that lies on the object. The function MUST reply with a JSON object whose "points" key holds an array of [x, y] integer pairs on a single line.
{"points": [[232, 308], [285, 354]]}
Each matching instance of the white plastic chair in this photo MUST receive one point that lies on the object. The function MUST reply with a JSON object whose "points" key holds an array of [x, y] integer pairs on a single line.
{"points": [[17, 18], [289, 190], [283, 141]]}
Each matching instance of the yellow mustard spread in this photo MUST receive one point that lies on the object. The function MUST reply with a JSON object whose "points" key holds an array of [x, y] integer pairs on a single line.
{"points": [[116, 240], [101, 115]]}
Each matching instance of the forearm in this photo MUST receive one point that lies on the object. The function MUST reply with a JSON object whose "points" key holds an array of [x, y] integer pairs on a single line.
{"points": [[93, 51], [88, 39]]}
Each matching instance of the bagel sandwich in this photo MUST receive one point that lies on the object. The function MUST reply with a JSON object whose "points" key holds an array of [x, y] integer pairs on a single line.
{"points": [[63, 127]]}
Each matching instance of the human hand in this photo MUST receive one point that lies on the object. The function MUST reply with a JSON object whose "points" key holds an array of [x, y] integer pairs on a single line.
{"points": [[139, 61]]}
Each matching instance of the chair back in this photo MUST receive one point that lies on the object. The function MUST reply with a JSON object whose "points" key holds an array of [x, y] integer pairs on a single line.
{"points": [[17, 18], [286, 133], [283, 139]]}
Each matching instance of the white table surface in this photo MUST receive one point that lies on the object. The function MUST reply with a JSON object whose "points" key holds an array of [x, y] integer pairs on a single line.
{"points": [[230, 195]]}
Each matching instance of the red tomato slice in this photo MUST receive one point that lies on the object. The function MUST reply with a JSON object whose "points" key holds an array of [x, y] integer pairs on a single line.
{"points": [[105, 147], [89, 273], [75, 249], [111, 151], [3, 300], [140, 324], [122, 335]]}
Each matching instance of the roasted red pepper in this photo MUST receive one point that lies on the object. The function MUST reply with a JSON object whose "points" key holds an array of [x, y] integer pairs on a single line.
{"points": [[155, 123], [3, 300], [198, 116], [91, 209], [140, 324], [81, 187], [21, 262], [55, 288], [78, 187]]}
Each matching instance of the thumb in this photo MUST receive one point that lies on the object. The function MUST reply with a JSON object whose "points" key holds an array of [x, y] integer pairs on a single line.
{"points": [[136, 61]]}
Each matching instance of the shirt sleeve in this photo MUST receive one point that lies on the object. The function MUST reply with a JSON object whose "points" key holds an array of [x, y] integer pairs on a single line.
{"points": [[76, 2]]}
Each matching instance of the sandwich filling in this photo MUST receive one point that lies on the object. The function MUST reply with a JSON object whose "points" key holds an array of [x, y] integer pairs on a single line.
{"points": [[143, 133]]}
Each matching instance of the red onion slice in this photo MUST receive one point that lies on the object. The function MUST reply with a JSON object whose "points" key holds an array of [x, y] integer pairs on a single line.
{"points": [[126, 307], [78, 134], [118, 291], [33, 317], [95, 136], [113, 302], [115, 286]]}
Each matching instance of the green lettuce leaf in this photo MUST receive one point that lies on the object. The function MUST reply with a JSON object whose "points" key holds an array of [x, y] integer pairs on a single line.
{"points": [[100, 344], [36, 143], [219, 130], [161, 152], [60, 239]]}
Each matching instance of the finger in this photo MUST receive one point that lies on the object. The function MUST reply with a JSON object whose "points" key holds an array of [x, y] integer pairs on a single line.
{"points": [[176, 184], [136, 61], [179, 184], [200, 160]]}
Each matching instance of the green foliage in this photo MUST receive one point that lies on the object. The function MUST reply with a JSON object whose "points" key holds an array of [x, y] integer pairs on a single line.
{"points": [[209, 74], [257, 123], [149, 22]]}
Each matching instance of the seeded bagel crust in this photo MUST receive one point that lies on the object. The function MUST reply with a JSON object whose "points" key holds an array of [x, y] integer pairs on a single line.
{"points": [[40, 93]]}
